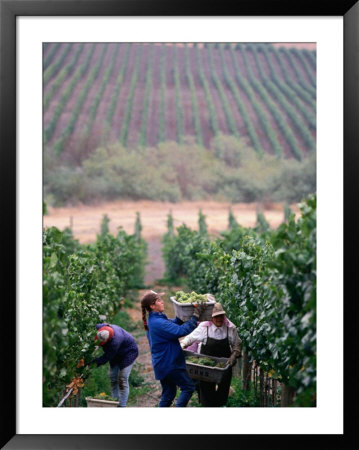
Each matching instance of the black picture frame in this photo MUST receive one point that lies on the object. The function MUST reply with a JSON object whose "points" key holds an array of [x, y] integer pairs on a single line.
{"points": [[9, 10]]}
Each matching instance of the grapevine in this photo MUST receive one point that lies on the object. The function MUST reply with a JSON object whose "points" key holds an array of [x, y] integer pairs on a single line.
{"points": [[190, 297]]}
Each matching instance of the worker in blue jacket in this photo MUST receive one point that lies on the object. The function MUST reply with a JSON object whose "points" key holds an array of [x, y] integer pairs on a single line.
{"points": [[168, 359]]}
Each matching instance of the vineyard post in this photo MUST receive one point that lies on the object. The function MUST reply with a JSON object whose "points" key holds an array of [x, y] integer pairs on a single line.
{"points": [[246, 372], [261, 387], [276, 395], [255, 378], [267, 381], [236, 368], [287, 395]]}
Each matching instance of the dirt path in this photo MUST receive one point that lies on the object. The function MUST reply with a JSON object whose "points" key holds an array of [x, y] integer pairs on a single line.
{"points": [[155, 267]]}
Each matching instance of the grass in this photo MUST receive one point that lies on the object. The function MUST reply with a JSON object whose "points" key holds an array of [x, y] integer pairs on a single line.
{"points": [[240, 397], [97, 382]]}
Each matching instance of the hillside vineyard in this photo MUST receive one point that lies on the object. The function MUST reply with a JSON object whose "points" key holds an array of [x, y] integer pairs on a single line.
{"points": [[142, 94]]}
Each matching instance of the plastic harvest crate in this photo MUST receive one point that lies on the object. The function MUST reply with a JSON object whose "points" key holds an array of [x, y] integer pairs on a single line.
{"points": [[97, 403], [205, 373], [184, 311]]}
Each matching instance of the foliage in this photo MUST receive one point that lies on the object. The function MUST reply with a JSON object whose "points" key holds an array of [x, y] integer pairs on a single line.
{"points": [[232, 222], [180, 250], [82, 284], [230, 170], [262, 225], [202, 223], [266, 280], [104, 225], [242, 397]]}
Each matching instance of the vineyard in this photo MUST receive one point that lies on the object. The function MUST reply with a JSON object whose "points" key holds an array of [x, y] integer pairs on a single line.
{"points": [[226, 123], [265, 279], [141, 104]]}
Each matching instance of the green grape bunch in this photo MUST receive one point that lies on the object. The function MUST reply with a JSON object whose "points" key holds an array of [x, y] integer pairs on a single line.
{"points": [[190, 297], [206, 362]]}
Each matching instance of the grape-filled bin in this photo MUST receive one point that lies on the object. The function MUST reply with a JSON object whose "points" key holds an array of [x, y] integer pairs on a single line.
{"points": [[199, 371], [184, 311]]}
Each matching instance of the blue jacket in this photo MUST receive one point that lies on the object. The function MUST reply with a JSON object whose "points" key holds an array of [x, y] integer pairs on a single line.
{"points": [[163, 334], [122, 349]]}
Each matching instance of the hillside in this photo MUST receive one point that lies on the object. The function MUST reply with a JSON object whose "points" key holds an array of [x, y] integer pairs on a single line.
{"points": [[142, 95]]}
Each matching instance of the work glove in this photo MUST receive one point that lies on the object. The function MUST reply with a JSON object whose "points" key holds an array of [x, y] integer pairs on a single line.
{"points": [[232, 359], [199, 309]]}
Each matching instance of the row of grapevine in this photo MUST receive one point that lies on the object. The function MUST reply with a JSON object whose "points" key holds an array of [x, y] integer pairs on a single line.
{"points": [[179, 112], [301, 93], [227, 110], [210, 105], [285, 104], [143, 131], [49, 54], [82, 284], [280, 105], [305, 64], [128, 111], [96, 102], [290, 94], [263, 118], [241, 106], [116, 93], [301, 80], [61, 76], [311, 57], [266, 281], [298, 64], [272, 106], [195, 112], [56, 67], [68, 130], [162, 130], [80, 72]]}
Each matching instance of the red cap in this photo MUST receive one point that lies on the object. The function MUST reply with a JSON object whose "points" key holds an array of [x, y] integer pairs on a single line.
{"points": [[99, 335]]}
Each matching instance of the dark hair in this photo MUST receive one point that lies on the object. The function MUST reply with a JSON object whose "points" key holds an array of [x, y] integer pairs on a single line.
{"points": [[147, 300]]}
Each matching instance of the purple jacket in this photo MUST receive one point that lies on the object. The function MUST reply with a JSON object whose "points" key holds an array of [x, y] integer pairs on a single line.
{"points": [[122, 350]]}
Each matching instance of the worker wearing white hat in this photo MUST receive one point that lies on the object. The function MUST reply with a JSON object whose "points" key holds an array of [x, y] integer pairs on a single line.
{"points": [[218, 337]]}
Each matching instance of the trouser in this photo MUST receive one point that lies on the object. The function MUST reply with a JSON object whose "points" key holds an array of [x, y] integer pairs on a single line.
{"points": [[180, 378], [213, 394], [119, 383]]}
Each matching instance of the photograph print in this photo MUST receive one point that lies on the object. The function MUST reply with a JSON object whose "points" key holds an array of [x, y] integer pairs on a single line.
{"points": [[179, 224]]}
